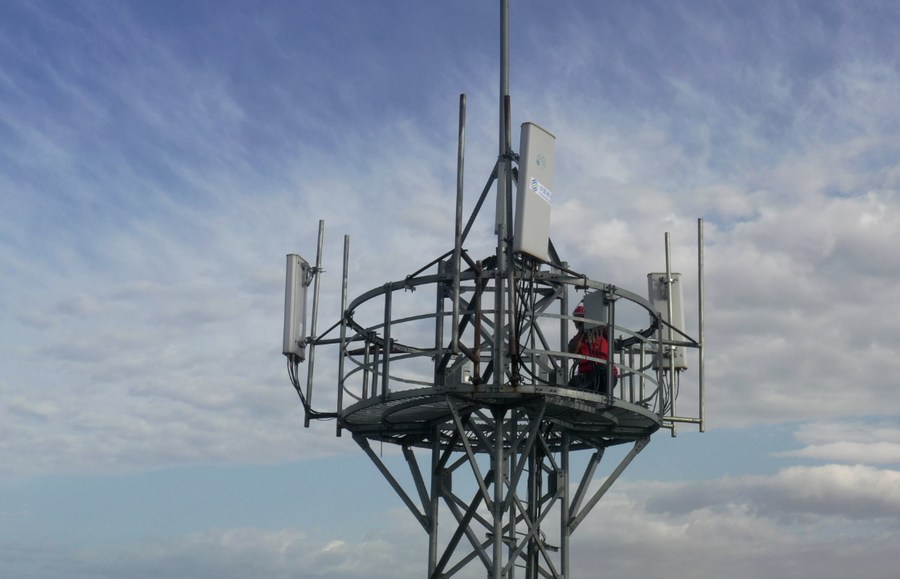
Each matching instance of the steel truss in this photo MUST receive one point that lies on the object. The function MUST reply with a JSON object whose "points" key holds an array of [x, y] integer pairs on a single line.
{"points": [[515, 465]]}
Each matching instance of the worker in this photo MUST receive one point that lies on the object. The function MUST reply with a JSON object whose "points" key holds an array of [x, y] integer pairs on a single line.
{"points": [[590, 374]]}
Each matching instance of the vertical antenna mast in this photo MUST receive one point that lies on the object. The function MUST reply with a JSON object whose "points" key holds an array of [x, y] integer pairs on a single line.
{"points": [[504, 172]]}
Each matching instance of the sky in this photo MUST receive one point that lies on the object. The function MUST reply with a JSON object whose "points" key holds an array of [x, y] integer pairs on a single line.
{"points": [[159, 159]]}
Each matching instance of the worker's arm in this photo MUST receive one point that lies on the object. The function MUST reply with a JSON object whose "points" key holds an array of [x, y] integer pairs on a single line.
{"points": [[575, 342], [621, 344]]}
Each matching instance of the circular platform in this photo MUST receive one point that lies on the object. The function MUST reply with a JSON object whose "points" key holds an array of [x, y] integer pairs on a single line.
{"points": [[411, 417]]}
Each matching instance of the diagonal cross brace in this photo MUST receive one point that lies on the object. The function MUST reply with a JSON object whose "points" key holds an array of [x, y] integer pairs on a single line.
{"points": [[614, 475], [363, 442]]}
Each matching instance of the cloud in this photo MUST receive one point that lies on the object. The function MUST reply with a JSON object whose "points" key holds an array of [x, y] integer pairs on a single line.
{"points": [[823, 522], [876, 442], [850, 452], [153, 314], [794, 494], [251, 552], [801, 521]]}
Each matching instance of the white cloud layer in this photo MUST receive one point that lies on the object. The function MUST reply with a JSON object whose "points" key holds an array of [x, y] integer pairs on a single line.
{"points": [[793, 523], [876, 442]]}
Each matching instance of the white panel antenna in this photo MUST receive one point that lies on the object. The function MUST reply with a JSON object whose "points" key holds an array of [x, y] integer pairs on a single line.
{"points": [[298, 278], [663, 294], [534, 191]]}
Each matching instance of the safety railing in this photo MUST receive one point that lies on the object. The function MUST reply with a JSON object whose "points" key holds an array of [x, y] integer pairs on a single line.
{"points": [[396, 339]]}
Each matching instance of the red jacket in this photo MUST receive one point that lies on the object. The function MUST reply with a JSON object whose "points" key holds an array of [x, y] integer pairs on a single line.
{"points": [[596, 347]]}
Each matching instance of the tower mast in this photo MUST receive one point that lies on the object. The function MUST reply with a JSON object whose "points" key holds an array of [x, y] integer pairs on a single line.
{"points": [[484, 411]]}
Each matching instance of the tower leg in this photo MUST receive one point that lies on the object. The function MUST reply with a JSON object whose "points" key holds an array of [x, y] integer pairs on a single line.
{"points": [[434, 501], [564, 506], [497, 467]]}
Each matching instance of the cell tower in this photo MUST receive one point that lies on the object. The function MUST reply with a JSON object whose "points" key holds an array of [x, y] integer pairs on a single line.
{"points": [[476, 384]]}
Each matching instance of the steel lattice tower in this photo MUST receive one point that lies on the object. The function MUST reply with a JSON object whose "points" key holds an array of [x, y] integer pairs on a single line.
{"points": [[472, 383]]}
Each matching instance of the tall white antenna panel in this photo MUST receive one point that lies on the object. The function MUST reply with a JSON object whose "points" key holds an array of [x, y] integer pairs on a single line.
{"points": [[666, 297], [534, 195], [297, 280]]}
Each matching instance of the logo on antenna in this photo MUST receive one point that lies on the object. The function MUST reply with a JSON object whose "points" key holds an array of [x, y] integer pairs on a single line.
{"points": [[540, 189], [541, 161]]}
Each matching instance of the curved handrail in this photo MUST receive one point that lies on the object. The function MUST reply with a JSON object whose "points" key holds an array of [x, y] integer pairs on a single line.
{"points": [[638, 364]]}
